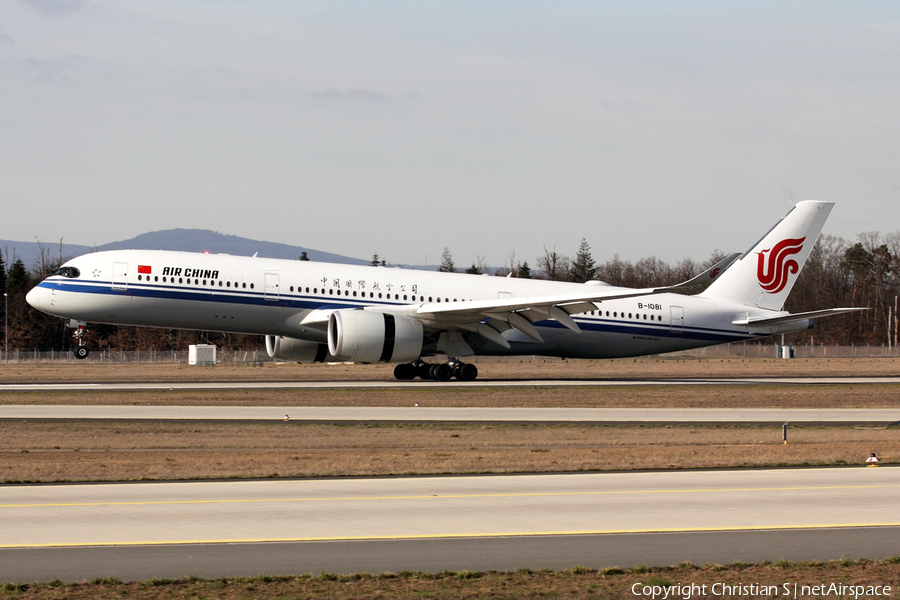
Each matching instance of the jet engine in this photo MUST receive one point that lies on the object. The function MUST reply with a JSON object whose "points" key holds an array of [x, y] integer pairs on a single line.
{"points": [[294, 350], [369, 337]]}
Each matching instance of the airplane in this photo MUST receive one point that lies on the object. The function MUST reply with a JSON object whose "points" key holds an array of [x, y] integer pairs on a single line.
{"points": [[325, 312]]}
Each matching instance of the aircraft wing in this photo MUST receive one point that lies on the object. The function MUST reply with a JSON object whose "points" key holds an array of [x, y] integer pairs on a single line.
{"points": [[490, 318]]}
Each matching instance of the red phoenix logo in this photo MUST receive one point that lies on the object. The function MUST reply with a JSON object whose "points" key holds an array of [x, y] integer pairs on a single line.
{"points": [[773, 275]]}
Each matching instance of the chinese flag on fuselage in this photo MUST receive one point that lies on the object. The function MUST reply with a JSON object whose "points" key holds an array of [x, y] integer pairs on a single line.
{"points": [[144, 269]]}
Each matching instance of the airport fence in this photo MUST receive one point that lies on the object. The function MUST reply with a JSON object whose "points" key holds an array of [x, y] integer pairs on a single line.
{"points": [[250, 357], [257, 357]]}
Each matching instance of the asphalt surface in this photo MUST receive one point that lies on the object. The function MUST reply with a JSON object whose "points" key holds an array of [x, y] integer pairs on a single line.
{"points": [[209, 529], [351, 414], [209, 561], [485, 383]]}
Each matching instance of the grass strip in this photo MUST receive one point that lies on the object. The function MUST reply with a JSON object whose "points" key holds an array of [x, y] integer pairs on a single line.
{"points": [[577, 582], [36, 451]]}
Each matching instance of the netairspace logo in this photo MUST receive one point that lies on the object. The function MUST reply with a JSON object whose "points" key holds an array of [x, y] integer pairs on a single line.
{"points": [[785, 590]]}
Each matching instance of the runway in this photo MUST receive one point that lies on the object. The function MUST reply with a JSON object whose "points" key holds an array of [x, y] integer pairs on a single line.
{"points": [[351, 414], [485, 383], [436, 523]]}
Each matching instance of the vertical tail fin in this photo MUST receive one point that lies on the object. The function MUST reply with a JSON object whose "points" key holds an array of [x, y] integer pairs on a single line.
{"points": [[764, 275]]}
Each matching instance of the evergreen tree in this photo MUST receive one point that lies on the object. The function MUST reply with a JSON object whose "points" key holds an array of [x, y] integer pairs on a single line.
{"points": [[582, 268], [524, 271], [474, 270], [376, 260], [17, 285], [447, 265], [303, 256]]}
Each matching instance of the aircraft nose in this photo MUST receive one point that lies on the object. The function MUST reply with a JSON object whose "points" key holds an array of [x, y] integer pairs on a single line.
{"points": [[40, 297]]}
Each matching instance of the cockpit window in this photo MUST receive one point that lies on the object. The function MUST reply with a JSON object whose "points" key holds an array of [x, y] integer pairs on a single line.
{"points": [[69, 272]]}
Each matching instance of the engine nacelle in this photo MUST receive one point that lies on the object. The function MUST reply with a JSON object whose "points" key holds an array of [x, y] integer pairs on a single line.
{"points": [[369, 337], [294, 350]]}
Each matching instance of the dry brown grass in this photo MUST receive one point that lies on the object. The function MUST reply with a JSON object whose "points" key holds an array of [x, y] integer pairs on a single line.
{"points": [[489, 369], [578, 582], [90, 451]]}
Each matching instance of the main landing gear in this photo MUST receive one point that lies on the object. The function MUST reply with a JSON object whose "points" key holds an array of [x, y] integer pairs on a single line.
{"points": [[80, 351], [436, 371]]}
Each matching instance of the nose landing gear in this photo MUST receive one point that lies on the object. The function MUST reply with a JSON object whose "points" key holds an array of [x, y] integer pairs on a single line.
{"points": [[436, 371], [80, 351]]}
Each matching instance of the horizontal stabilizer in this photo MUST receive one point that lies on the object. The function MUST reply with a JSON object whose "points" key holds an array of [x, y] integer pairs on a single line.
{"points": [[770, 321]]}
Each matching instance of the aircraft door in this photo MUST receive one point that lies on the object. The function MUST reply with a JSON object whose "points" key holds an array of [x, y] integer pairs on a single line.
{"points": [[120, 276], [677, 319], [271, 291]]}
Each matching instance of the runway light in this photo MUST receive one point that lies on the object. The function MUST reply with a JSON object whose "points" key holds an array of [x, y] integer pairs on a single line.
{"points": [[872, 461]]}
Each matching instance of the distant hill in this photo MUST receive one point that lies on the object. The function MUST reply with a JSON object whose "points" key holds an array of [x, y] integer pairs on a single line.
{"points": [[186, 240]]}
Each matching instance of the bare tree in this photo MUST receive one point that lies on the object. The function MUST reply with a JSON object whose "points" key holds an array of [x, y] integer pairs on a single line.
{"points": [[553, 265]]}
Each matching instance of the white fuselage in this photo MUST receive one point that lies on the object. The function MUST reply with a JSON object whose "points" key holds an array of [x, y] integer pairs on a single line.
{"points": [[264, 296]]}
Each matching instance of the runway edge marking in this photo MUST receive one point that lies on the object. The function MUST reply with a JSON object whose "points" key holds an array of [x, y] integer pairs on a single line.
{"points": [[452, 535]]}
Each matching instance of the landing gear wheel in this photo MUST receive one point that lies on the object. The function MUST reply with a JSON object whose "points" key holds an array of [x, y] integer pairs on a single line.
{"points": [[466, 372], [405, 372], [80, 351], [441, 372], [423, 370]]}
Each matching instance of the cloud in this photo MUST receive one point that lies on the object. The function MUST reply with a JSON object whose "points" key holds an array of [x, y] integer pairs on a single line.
{"points": [[359, 95], [52, 8], [6, 39], [50, 70]]}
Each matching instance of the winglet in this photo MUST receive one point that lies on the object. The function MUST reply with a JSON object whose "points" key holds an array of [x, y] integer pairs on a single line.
{"points": [[697, 284]]}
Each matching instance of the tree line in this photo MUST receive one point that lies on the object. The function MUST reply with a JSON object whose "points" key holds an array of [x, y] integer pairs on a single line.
{"points": [[838, 273]]}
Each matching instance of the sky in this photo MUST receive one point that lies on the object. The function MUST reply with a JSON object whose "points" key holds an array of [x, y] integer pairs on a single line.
{"points": [[401, 128]]}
